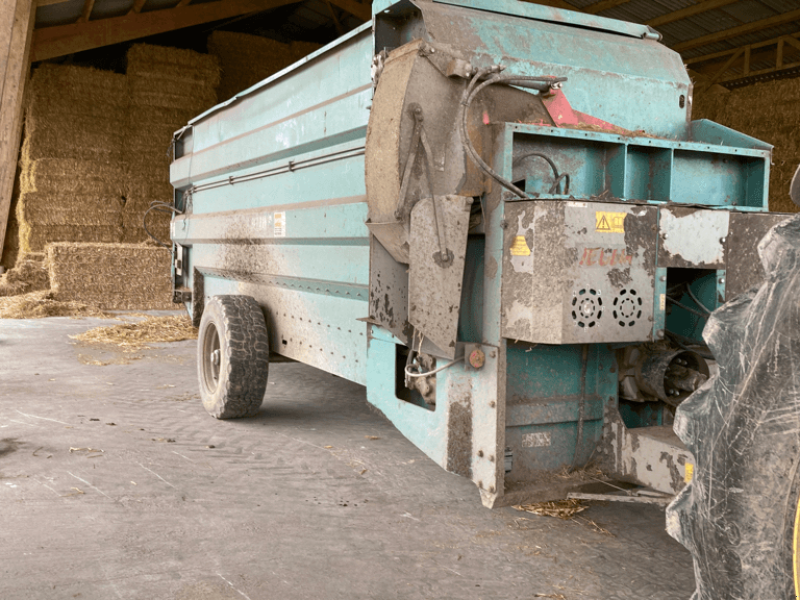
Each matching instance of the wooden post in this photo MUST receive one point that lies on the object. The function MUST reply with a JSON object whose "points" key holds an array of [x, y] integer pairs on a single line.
{"points": [[16, 31]]}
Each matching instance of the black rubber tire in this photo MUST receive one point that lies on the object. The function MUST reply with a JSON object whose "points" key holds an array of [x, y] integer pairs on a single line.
{"points": [[737, 516], [235, 327]]}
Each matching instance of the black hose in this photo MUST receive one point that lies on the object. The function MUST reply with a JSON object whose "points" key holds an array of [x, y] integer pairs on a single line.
{"points": [[556, 177], [687, 308], [554, 187], [472, 90], [696, 301], [158, 207]]}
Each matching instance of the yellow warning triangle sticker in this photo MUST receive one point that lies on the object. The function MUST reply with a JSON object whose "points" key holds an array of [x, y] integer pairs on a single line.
{"points": [[520, 247], [602, 224]]}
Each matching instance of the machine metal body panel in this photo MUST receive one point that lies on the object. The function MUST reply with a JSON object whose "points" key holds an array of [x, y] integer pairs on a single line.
{"points": [[293, 193], [578, 272]]}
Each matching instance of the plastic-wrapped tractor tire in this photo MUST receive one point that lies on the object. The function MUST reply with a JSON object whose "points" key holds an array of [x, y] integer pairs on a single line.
{"points": [[737, 517], [232, 357]]}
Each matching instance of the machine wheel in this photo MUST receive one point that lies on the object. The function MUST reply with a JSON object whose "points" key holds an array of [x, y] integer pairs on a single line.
{"points": [[739, 515], [232, 357]]}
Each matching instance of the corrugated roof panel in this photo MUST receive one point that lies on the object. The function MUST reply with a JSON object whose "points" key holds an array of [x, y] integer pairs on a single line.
{"points": [[714, 20], [781, 6], [582, 3], [59, 14], [680, 31], [748, 11]]}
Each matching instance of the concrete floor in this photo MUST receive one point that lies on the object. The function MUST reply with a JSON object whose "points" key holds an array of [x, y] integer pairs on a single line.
{"points": [[296, 503]]}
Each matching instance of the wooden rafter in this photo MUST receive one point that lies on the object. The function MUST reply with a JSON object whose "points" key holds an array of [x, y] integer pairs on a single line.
{"points": [[182, 3], [689, 11], [722, 70], [726, 34], [362, 11], [598, 7], [137, 7], [715, 55], [88, 5], [67, 39], [336, 22], [773, 50]]}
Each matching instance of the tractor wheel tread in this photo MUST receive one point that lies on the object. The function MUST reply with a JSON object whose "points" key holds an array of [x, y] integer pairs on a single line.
{"points": [[244, 342], [736, 516]]}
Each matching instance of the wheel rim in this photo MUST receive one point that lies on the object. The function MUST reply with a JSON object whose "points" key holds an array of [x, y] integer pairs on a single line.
{"points": [[212, 358], [795, 557]]}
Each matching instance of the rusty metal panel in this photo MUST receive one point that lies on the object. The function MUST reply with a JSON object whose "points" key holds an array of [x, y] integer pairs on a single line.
{"points": [[744, 269], [434, 285], [388, 292], [691, 238], [578, 272]]}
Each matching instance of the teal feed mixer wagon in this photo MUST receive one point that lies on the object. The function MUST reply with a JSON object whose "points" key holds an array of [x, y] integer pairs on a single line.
{"points": [[499, 217]]}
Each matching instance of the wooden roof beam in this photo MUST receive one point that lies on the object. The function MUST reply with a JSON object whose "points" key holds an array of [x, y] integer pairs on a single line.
{"points": [[726, 34], [791, 39], [137, 7], [689, 11], [88, 6], [362, 11], [50, 42]]}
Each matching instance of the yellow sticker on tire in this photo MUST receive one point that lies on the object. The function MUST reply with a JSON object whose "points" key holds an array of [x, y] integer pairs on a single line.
{"points": [[689, 473]]}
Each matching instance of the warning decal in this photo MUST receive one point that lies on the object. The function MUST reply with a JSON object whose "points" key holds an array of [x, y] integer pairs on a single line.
{"points": [[279, 224], [520, 247], [610, 222]]}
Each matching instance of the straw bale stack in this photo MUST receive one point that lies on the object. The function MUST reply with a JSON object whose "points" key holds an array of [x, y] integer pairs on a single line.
{"points": [[72, 181], [113, 277], [167, 87], [766, 111], [75, 112], [247, 59]]}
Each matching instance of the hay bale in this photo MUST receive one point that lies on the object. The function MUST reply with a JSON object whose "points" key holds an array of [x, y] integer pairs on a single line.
{"points": [[28, 275], [160, 93], [36, 238], [40, 210], [302, 49], [148, 58], [95, 87], [167, 87], [118, 277], [60, 176], [248, 59], [171, 78], [75, 113]]}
